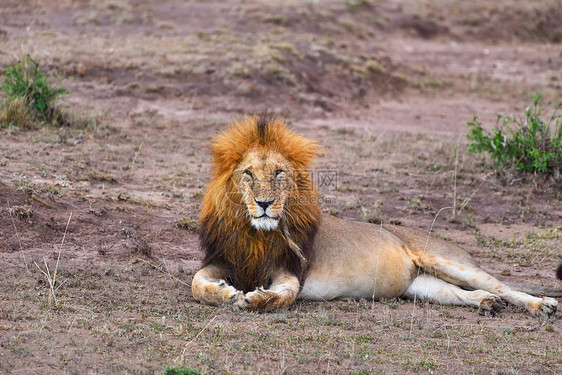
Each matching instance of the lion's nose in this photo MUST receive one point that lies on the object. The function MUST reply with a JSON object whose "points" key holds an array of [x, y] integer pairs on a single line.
{"points": [[264, 204]]}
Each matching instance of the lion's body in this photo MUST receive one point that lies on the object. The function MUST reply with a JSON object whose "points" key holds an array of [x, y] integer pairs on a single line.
{"points": [[266, 243], [356, 260]]}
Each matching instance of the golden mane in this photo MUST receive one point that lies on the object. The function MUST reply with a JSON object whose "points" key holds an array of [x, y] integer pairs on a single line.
{"points": [[228, 239]]}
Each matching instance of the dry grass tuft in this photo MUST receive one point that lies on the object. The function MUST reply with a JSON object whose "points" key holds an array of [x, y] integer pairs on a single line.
{"points": [[52, 278], [22, 212], [16, 114]]}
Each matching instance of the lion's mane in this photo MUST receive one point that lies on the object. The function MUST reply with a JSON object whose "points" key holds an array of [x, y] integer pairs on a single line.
{"points": [[251, 256]]}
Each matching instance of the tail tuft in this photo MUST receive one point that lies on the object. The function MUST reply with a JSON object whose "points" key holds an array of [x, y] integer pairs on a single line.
{"points": [[559, 271]]}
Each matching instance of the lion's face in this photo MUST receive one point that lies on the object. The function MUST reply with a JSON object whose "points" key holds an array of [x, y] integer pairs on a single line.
{"points": [[265, 181]]}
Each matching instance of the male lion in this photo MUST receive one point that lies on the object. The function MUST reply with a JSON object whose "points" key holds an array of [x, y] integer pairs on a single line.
{"points": [[266, 242]]}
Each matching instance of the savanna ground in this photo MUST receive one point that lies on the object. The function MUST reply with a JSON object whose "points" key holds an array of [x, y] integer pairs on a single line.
{"points": [[386, 89]]}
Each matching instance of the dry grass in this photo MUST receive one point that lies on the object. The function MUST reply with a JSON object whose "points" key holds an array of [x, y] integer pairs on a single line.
{"points": [[15, 114], [52, 301]]}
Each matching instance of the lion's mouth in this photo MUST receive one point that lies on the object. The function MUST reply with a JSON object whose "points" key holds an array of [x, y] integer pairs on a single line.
{"points": [[266, 216]]}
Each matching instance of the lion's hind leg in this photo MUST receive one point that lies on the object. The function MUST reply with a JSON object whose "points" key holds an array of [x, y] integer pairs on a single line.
{"points": [[429, 288], [472, 277]]}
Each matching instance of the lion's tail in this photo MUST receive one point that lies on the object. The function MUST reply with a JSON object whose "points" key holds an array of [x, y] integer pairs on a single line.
{"points": [[540, 290], [536, 290]]}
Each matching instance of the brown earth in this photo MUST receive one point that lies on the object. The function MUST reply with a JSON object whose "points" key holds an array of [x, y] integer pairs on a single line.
{"points": [[387, 89]]}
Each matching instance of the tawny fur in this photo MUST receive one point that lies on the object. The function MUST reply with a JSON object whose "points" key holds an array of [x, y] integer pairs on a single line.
{"points": [[266, 243]]}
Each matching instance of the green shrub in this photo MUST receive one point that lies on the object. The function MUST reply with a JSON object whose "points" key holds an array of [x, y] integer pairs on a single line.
{"points": [[29, 95], [180, 371], [529, 144]]}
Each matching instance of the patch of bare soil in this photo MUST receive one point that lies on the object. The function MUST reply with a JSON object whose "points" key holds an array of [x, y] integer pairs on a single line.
{"points": [[111, 206]]}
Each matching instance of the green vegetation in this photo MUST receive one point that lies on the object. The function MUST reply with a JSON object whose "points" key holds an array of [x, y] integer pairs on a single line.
{"points": [[180, 371], [30, 97], [529, 144]]}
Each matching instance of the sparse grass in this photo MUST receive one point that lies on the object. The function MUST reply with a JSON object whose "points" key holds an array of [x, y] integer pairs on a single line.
{"points": [[532, 248], [188, 223], [444, 237], [137, 244], [31, 99], [532, 144], [373, 214], [112, 311], [126, 197], [354, 4], [22, 212], [101, 176]]}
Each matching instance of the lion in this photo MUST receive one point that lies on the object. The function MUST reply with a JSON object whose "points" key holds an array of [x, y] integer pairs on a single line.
{"points": [[266, 243]]}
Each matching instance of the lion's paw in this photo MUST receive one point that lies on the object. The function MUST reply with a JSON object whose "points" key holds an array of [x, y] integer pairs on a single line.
{"points": [[237, 301], [547, 308], [248, 301], [491, 305], [259, 299]]}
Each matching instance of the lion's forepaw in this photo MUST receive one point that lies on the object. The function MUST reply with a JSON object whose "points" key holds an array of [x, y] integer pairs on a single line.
{"points": [[259, 299], [236, 300]]}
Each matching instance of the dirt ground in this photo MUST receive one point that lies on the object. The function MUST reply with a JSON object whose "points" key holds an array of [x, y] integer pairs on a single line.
{"points": [[111, 203]]}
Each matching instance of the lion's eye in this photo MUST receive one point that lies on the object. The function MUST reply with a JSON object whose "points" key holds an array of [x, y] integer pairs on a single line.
{"points": [[278, 172], [248, 172]]}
